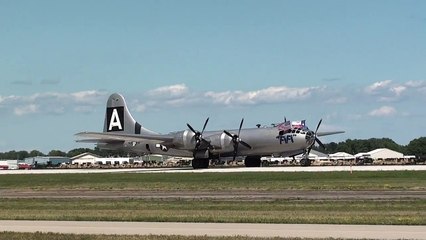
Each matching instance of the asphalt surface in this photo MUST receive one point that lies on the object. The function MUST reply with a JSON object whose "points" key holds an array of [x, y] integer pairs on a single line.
{"points": [[216, 195], [229, 169], [220, 229]]}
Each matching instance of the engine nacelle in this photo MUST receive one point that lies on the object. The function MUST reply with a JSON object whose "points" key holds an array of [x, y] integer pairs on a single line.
{"points": [[185, 140], [221, 143]]}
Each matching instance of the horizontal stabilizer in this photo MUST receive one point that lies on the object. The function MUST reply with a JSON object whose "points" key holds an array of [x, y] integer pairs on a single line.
{"points": [[98, 141], [319, 134], [103, 136]]}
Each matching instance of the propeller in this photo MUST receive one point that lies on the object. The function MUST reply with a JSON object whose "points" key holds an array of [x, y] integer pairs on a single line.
{"points": [[316, 139], [236, 140], [198, 135]]}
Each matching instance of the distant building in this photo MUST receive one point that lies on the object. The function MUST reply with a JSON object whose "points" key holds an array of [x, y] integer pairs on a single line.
{"points": [[380, 154], [154, 158], [341, 156], [46, 160], [90, 159], [85, 158]]}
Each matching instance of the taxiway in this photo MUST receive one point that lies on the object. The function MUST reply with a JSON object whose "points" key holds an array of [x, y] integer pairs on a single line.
{"points": [[230, 169]]}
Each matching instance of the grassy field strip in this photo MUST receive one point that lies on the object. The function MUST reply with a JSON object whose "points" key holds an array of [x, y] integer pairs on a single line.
{"points": [[397, 180], [397, 212], [58, 236]]}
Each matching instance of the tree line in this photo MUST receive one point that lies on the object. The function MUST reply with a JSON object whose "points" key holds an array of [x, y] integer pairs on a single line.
{"points": [[416, 147], [353, 146], [20, 155]]}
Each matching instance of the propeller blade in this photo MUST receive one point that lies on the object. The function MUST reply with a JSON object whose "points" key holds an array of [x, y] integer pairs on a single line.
{"points": [[319, 143], [241, 125], [228, 133], [191, 128], [318, 126], [205, 124], [245, 144]]}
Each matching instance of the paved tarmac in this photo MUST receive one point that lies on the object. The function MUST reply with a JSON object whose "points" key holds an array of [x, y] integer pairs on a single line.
{"points": [[240, 195], [220, 229]]}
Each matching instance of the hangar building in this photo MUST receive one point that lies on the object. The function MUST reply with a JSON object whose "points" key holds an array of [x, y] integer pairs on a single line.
{"points": [[90, 159], [381, 153], [87, 158]]}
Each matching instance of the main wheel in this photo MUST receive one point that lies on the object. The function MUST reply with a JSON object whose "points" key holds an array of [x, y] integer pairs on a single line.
{"points": [[200, 163], [305, 162], [252, 161]]}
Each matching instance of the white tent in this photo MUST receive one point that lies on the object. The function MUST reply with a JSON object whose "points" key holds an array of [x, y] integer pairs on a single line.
{"points": [[381, 153], [341, 156]]}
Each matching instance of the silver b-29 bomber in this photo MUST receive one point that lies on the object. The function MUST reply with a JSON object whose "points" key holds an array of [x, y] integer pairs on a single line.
{"points": [[122, 132]]}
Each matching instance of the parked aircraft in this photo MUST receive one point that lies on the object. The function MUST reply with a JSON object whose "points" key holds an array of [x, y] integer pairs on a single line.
{"points": [[122, 132]]}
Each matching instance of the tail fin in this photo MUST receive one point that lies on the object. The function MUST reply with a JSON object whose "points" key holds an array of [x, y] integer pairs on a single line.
{"points": [[119, 119]]}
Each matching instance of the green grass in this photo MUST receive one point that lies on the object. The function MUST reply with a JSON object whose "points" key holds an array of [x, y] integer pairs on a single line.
{"points": [[398, 212], [395, 180], [403, 212]]}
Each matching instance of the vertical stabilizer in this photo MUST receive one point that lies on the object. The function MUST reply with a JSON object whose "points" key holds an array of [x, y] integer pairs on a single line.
{"points": [[119, 119]]}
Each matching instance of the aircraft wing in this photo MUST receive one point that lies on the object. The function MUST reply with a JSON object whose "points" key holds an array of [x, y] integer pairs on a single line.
{"points": [[319, 134], [106, 137]]}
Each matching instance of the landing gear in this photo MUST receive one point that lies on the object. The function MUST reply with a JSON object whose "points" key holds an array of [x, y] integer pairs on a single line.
{"points": [[198, 163], [252, 161], [305, 162]]}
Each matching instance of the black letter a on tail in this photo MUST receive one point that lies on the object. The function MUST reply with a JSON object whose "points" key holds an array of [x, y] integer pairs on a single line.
{"points": [[115, 119]]}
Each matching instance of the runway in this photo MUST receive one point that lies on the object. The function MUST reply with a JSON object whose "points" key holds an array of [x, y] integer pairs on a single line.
{"points": [[220, 229], [223, 195], [227, 170]]}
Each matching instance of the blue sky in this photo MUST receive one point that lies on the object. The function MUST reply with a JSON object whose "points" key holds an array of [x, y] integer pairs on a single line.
{"points": [[358, 65]]}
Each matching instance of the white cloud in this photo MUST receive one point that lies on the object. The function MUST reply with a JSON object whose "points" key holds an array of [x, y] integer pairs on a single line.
{"points": [[44, 96], [90, 97], [8, 99], [267, 95], [415, 84], [52, 102], [419, 86], [377, 86], [177, 90], [383, 111], [398, 89], [387, 91], [28, 109]]}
